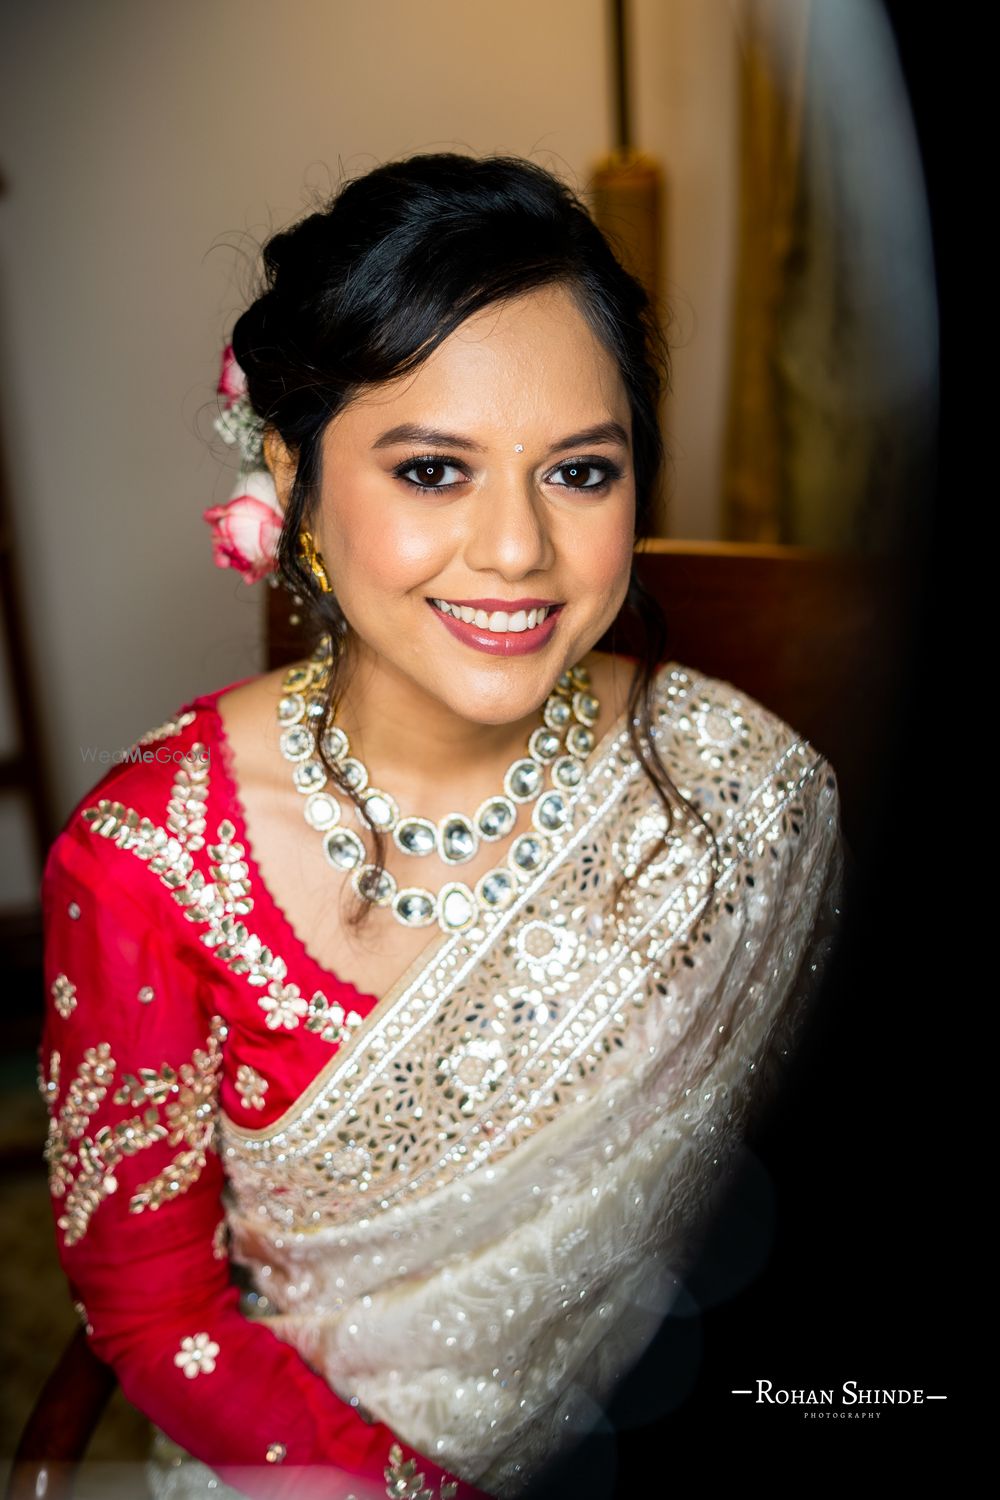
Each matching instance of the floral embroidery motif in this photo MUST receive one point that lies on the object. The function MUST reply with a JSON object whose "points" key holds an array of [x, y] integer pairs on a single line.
{"points": [[471, 1071], [276, 1453], [250, 1086], [546, 948], [197, 1355], [329, 1021], [219, 901], [85, 1176], [81, 1313], [186, 808], [404, 1482], [283, 1005], [64, 995], [167, 730]]}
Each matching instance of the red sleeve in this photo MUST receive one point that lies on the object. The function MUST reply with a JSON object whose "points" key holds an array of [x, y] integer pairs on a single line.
{"points": [[130, 1060]]}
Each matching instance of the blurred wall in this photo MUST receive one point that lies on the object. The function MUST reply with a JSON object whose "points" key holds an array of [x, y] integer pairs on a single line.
{"points": [[147, 147]]}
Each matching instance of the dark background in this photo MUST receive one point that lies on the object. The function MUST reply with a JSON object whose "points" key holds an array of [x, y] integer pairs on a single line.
{"points": [[844, 1224]]}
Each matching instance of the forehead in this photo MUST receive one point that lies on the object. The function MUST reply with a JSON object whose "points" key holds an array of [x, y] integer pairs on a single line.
{"points": [[531, 362]]}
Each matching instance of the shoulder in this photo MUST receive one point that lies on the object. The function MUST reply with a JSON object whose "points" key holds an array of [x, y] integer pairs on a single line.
{"points": [[701, 709], [723, 745], [152, 792]]}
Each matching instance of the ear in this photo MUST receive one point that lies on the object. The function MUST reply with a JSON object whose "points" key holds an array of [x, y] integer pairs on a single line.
{"points": [[281, 463]]}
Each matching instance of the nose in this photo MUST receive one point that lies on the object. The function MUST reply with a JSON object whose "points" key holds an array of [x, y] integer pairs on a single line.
{"points": [[508, 531]]}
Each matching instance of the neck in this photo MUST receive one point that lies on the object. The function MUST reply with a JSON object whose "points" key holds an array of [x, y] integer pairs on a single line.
{"points": [[414, 742]]}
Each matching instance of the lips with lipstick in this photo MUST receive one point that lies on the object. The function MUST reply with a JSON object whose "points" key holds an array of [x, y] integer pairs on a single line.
{"points": [[500, 627]]}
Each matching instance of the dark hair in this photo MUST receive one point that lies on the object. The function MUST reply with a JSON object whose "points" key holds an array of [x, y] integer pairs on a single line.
{"points": [[364, 290]]}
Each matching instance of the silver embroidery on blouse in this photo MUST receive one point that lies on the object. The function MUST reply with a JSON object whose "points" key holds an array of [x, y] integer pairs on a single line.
{"points": [[167, 730], [197, 1355], [180, 1109], [221, 899], [404, 1480], [250, 1086], [64, 995]]}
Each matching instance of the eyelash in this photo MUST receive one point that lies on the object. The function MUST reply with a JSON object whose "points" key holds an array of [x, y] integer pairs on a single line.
{"points": [[611, 472]]}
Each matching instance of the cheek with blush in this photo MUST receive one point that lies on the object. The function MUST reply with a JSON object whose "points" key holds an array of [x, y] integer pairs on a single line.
{"points": [[609, 575], [376, 562]]}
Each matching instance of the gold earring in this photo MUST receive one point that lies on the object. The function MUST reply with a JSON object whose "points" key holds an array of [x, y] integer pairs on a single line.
{"points": [[314, 561]]}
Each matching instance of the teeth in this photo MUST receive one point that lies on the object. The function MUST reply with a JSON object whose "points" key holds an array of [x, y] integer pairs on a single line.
{"points": [[499, 622]]}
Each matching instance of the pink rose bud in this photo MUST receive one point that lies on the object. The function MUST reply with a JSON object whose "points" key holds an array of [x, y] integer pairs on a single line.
{"points": [[246, 529], [232, 381]]}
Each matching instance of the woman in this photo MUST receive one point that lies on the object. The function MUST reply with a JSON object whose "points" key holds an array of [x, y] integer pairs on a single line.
{"points": [[404, 1005]]}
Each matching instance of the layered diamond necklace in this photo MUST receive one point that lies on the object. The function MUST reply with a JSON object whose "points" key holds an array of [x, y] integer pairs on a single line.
{"points": [[559, 746]]}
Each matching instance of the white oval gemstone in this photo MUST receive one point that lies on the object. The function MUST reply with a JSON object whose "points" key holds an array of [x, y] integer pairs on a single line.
{"points": [[586, 707], [544, 744], [297, 743], [528, 853], [381, 891], [557, 713], [321, 810], [579, 740], [550, 813], [381, 808], [496, 817], [343, 849], [567, 772], [335, 742], [355, 774], [458, 838], [456, 907], [291, 708], [414, 907], [524, 780], [309, 776], [416, 836], [496, 889]]}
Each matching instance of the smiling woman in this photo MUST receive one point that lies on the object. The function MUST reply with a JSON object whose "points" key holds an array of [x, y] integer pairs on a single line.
{"points": [[425, 995]]}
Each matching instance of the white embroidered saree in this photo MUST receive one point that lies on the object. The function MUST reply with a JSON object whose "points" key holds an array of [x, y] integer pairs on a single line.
{"points": [[474, 1219]]}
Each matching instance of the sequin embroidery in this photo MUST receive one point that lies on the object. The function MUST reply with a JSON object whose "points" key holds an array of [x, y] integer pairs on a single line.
{"points": [[404, 1480], [167, 730], [250, 1086], [221, 899], [64, 996], [180, 1109], [197, 1355]]}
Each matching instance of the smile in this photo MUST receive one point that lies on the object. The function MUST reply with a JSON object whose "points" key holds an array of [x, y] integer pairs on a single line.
{"points": [[499, 632], [498, 621]]}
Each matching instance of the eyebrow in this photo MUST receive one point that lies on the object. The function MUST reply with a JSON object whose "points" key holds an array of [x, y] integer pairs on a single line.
{"points": [[601, 432]]}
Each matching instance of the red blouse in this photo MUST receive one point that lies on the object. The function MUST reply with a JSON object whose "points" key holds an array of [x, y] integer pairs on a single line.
{"points": [[153, 1024]]}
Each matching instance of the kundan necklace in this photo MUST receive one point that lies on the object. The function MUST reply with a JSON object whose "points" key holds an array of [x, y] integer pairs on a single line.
{"points": [[560, 745]]}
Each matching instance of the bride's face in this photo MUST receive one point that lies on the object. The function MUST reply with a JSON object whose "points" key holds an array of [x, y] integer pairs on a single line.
{"points": [[498, 478]]}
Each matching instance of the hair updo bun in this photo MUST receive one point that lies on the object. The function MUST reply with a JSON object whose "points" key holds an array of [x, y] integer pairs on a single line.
{"points": [[364, 290]]}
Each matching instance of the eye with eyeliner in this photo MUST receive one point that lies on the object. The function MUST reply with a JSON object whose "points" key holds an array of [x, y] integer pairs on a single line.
{"points": [[605, 466]]}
